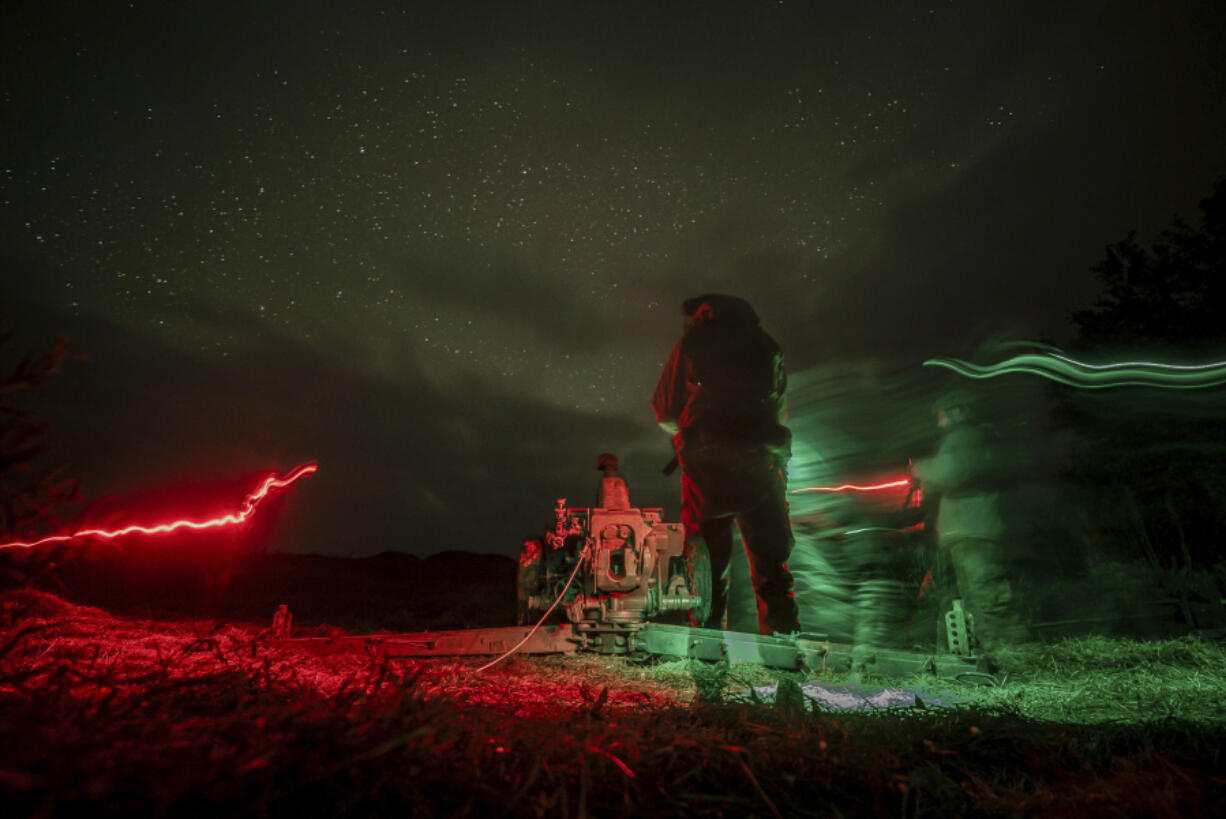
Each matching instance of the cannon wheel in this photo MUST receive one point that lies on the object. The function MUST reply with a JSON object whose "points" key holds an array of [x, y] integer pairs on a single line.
{"points": [[698, 577]]}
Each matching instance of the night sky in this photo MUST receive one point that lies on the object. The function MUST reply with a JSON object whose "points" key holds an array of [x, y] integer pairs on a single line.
{"points": [[442, 250]]}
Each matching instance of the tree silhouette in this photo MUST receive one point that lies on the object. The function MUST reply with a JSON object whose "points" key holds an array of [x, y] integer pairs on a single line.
{"points": [[1169, 297], [30, 494], [1158, 457]]}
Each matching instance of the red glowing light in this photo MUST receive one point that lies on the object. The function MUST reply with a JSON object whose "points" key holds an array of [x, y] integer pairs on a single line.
{"points": [[250, 502], [855, 487]]}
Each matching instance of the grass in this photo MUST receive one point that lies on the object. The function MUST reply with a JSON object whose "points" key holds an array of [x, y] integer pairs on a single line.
{"points": [[1096, 679], [122, 716]]}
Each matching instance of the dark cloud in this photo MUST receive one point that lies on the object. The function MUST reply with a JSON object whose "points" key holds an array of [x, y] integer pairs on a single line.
{"points": [[403, 464], [538, 306]]}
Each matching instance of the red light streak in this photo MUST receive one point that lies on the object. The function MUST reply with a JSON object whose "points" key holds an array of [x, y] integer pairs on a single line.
{"points": [[855, 487], [250, 502]]}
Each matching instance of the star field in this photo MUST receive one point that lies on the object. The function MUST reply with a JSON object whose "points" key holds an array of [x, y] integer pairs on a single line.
{"points": [[507, 202]]}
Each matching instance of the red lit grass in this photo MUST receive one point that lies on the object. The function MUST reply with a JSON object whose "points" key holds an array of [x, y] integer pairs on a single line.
{"points": [[112, 716]]}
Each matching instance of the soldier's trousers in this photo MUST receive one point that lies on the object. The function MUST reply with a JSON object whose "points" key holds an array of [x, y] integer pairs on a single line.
{"points": [[766, 534], [987, 588]]}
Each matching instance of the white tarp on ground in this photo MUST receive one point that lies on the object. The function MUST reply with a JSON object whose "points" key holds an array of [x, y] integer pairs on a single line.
{"points": [[826, 698]]}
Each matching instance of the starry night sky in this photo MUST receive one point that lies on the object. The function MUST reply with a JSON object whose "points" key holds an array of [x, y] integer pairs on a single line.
{"points": [[442, 249]]}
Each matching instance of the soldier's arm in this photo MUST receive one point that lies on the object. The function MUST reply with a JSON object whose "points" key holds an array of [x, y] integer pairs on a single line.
{"points": [[954, 463], [669, 398]]}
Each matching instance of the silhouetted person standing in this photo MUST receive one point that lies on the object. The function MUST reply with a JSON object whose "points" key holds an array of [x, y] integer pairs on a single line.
{"points": [[721, 397], [966, 474], [612, 492]]}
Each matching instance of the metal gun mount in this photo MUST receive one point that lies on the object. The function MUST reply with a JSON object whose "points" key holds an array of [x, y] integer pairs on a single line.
{"points": [[960, 630], [804, 651], [613, 569]]}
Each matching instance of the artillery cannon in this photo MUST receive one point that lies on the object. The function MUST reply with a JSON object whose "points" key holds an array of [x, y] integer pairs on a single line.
{"points": [[638, 568], [626, 583]]}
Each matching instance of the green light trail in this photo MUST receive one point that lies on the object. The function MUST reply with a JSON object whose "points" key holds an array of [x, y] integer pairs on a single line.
{"points": [[1081, 375]]}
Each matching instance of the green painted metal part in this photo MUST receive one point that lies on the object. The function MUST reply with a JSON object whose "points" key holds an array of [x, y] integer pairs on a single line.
{"points": [[811, 651], [712, 644]]}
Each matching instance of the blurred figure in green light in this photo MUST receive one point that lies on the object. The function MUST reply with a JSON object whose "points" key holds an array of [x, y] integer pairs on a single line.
{"points": [[965, 476]]}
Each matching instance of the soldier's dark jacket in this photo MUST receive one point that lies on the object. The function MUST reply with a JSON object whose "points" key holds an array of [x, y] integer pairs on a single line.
{"points": [[724, 387], [963, 472]]}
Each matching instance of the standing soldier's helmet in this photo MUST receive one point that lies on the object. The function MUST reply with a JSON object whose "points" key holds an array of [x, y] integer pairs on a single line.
{"points": [[954, 399], [606, 460], [954, 407]]}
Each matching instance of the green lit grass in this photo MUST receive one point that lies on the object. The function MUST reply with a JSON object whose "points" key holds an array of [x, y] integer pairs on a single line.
{"points": [[111, 716], [1085, 680], [1095, 679]]}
